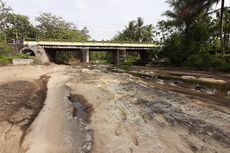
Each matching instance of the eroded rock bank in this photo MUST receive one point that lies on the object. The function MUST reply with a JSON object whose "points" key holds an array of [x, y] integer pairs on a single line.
{"points": [[20, 103]]}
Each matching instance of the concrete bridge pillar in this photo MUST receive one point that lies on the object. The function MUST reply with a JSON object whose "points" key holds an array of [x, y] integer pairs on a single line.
{"points": [[115, 57], [123, 55], [144, 57], [85, 55], [119, 56]]}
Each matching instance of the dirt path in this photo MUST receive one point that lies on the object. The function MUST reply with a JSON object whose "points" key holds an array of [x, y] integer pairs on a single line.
{"points": [[54, 130], [127, 115]]}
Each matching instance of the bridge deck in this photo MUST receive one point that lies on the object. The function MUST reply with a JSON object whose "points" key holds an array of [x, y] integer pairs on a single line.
{"points": [[90, 44]]}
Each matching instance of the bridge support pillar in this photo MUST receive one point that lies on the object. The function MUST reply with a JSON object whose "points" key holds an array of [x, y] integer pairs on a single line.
{"points": [[85, 55], [115, 57], [119, 56], [144, 57], [123, 55]]}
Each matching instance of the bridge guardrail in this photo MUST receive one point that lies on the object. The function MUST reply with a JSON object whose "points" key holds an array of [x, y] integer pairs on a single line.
{"points": [[106, 42]]}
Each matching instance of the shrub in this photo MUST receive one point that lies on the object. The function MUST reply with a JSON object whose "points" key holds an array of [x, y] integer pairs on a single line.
{"points": [[22, 56], [5, 60], [129, 62], [204, 61]]}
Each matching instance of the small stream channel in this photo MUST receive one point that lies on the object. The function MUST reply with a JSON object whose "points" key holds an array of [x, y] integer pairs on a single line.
{"points": [[189, 85], [81, 108]]}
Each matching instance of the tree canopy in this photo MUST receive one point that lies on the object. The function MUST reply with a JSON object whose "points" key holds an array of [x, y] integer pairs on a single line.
{"points": [[17, 27], [136, 31], [54, 27], [191, 35]]}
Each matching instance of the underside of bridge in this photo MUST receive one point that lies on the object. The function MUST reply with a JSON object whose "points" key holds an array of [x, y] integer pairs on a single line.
{"points": [[119, 56]]}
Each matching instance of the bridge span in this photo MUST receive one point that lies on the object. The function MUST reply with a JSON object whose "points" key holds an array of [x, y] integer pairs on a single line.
{"points": [[46, 50]]}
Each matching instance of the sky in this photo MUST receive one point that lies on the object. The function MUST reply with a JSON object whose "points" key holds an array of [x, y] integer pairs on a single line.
{"points": [[103, 18]]}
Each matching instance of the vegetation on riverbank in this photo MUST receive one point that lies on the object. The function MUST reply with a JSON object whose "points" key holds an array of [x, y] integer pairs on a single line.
{"points": [[192, 38]]}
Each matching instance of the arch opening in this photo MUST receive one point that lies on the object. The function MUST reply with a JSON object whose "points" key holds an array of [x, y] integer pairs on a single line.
{"points": [[28, 51]]}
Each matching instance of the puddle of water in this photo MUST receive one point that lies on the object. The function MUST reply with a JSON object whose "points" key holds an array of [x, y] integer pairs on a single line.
{"points": [[81, 109]]}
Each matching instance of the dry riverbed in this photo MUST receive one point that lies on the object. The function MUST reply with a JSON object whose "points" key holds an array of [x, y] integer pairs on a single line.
{"points": [[65, 109]]}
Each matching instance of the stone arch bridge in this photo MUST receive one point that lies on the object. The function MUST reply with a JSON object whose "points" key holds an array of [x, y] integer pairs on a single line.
{"points": [[46, 50]]}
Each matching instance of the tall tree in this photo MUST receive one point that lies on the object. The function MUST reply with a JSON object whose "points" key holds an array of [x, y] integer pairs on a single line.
{"points": [[148, 33], [4, 11], [139, 29], [187, 10], [19, 27], [136, 31], [55, 27], [207, 5]]}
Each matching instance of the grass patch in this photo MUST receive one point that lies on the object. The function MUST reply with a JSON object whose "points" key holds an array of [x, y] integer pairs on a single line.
{"points": [[8, 59]]}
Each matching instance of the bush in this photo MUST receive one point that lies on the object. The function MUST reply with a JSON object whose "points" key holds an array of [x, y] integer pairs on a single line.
{"points": [[5, 49], [5, 60], [101, 57], [204, 61], [129, 62], [174, 50], [22, 56]]}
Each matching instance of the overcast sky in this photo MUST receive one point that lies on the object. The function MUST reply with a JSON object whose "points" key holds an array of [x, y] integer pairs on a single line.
{"points": [[103, 18]]}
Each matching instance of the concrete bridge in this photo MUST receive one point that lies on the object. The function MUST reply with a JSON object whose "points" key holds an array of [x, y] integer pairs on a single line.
{"points": [[46, 50]]}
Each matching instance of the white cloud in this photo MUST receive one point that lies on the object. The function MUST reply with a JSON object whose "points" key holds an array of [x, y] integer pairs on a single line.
{"points": [[82, 5]]}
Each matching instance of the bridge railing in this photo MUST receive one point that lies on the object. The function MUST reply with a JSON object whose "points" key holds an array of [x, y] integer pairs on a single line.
{"points": [[69, 40]]}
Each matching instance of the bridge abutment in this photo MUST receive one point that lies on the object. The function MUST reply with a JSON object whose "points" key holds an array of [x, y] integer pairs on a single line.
{"points": [[40, 53]]}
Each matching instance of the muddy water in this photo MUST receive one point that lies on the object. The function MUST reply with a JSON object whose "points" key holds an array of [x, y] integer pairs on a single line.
{"points": [[81, 110]]}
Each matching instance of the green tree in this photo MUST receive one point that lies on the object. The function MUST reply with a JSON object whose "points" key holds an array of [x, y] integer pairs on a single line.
{"points": [[19, 27], [186, 10], [4, 11], [180, 45], [136, 31], [148, 33], [227, 29], [54, 27], [207, 5]]}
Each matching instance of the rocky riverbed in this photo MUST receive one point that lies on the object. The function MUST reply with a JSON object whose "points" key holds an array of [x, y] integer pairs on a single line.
{"points": [[77, 109]]}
